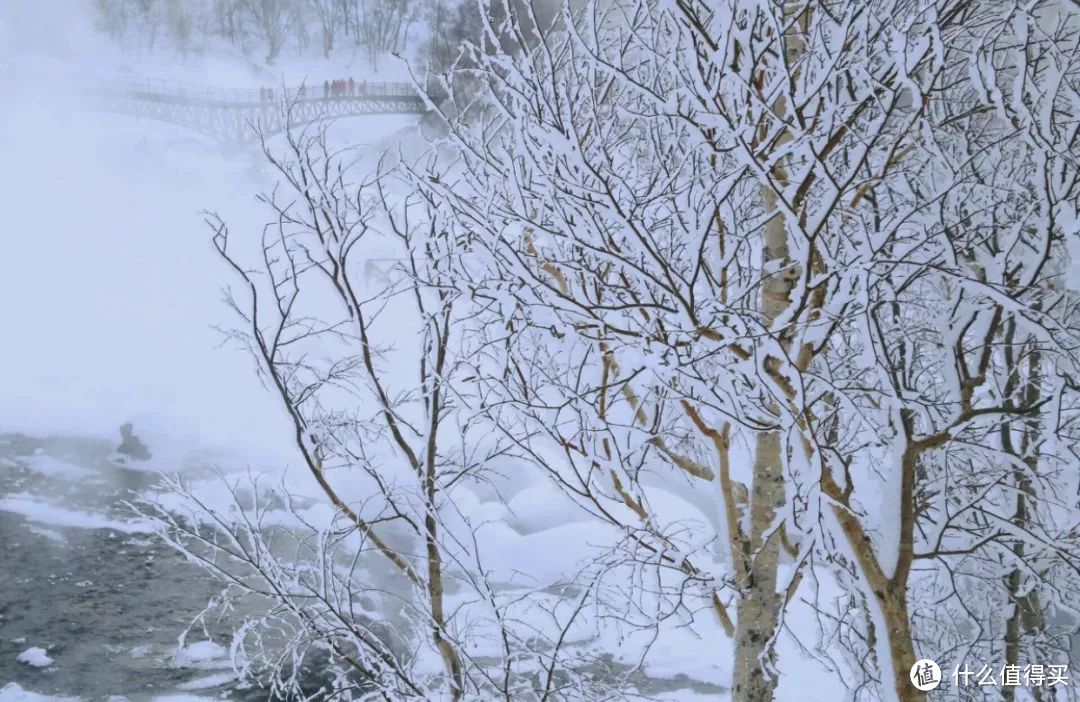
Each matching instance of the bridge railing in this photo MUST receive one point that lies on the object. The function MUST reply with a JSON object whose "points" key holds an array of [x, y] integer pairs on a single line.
{"points": [[202, 93], [192, 91]]}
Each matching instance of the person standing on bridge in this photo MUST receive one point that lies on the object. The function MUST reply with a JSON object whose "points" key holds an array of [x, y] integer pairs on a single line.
{"points": [[326, 88], [352, 87]]}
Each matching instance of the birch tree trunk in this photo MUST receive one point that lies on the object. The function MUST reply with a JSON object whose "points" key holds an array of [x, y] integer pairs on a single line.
{"points": [[759, 609]]}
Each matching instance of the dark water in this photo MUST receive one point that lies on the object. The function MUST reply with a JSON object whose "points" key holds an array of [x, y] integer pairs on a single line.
{"points": [[106, 603]]}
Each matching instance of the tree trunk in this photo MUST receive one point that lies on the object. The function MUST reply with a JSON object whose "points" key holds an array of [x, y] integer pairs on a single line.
{"points": [[890, 598], [759, 609], [1026, 611], [759, 606], [893, 603]]}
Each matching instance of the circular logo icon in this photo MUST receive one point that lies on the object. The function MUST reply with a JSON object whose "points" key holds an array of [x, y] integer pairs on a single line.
{"points": [[925, 675]]}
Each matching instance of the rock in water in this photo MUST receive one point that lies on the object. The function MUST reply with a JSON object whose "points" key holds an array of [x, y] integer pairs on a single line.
{"points": [[36, 657], [132, 446]]}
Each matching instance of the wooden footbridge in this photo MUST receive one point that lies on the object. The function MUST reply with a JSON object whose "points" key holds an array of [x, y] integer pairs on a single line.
{"points": [[240, 115]]}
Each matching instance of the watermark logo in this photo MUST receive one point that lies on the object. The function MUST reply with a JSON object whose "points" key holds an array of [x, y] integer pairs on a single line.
{"points": [[1011, 675], [925, 675]]}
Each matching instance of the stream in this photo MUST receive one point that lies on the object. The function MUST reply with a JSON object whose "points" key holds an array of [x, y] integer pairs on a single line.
{"points": [[88, 586]]}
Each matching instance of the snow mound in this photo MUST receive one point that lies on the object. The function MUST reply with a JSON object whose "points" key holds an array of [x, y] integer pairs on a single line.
{"points": [[541, 507], [202, 654], [36, 657], [13, 693]]}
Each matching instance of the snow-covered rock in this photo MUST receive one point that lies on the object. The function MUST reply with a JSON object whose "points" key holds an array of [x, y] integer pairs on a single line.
{"points": [[202, 654], [36, 657]]}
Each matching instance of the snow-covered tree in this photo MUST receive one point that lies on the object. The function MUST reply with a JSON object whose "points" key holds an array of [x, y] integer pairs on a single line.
{"points": [[330, 16], [781, 296], [273, 21], [785, 259], [373, 567], [383, 24]]}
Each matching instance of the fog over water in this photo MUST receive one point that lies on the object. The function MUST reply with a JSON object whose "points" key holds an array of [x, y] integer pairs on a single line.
{"points": [[112, 287]]}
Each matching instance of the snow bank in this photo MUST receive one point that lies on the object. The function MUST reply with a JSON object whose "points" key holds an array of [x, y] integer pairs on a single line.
{"points": [[37, 510], [52, 467], [13, 693], [542, 506], [543, 556]]}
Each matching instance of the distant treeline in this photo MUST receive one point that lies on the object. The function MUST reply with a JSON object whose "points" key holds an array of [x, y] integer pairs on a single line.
{"points": [[267, 27]]}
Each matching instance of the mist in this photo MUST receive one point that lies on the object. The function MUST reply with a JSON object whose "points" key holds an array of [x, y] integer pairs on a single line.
{"points": [[112, 289]]}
